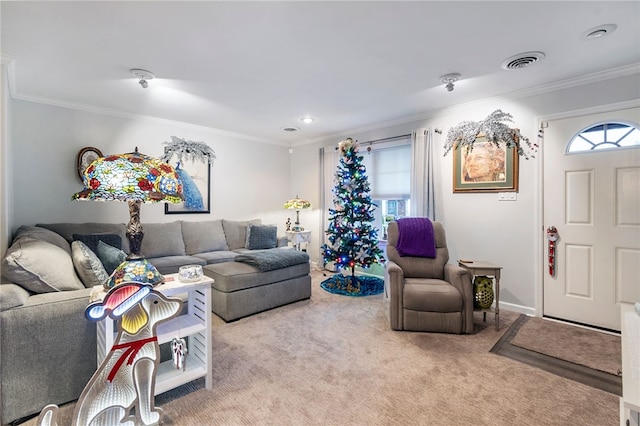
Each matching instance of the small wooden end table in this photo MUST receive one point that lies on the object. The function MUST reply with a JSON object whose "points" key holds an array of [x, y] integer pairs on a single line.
{"points": [[480, 267]]}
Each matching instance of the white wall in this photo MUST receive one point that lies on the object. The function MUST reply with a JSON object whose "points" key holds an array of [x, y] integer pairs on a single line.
{"points": [[508, 233], [248, 179], [251, 179], [6, 198]]}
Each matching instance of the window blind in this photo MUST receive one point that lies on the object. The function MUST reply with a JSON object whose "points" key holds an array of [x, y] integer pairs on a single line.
{"points": [[389, 172]]}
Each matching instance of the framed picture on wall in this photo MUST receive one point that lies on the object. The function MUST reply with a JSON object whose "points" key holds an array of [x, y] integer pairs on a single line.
{"points": [[196, 185], [486, 167], [85, 157]]}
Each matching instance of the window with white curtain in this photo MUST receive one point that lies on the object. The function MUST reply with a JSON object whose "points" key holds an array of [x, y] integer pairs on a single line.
{"points": [[389, 172]]}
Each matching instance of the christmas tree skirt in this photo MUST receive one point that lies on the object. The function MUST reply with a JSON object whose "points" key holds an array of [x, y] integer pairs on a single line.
{"points": [[364, 285]]}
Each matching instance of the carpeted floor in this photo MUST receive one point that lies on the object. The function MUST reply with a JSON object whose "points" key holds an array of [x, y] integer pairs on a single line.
{"points": [[333, 360], [586, 356]]}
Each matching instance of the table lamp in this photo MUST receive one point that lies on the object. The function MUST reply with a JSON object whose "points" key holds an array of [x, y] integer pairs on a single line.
{"points": [[297, 204], [135, 178]]}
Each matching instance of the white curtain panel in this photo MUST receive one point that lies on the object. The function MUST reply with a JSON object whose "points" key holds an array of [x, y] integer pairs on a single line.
{"points": [[329, 160], [423, 202]]}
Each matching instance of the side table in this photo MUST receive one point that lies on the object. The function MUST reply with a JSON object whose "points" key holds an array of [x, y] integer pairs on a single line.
{"points": [[480, 267], [298, 237], [194, 324], [630, 341]]}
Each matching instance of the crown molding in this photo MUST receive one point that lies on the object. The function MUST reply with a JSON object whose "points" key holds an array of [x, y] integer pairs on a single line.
{"points": [[596, 77], [15, 94], [140, 117], [599, 109], [9, 62]]}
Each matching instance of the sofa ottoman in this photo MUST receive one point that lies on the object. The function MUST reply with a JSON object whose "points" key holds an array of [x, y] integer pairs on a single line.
{"points": [[241, 289]]}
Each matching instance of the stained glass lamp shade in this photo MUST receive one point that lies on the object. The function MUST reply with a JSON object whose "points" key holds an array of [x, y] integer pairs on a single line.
{"points": [[297, 204], [135, 178]]}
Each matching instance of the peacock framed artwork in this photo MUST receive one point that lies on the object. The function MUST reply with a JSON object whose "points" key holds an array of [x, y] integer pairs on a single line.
{"points": [[194, 168]]}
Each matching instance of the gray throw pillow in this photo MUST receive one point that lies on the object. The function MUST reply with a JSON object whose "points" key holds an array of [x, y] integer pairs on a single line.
{"points": [[12, 296], [88, 265], [203, 236], [39, 233], [68, 229], [235, 232], [40, 267], [111, 257], [261, 237], [91, 240], [162, 239]]}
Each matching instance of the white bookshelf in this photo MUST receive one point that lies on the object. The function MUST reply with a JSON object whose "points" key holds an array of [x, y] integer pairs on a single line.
{"points": [[194, 324]]}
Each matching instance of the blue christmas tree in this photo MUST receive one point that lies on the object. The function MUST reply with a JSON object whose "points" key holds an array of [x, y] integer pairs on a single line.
{"points": [[352, 239]]}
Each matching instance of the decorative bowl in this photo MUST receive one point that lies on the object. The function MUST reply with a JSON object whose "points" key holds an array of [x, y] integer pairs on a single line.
{"points": [[190, 273]]}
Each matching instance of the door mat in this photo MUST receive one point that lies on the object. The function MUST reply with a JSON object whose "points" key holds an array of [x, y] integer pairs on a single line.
{"points": [[557, 363], [579, 345]]}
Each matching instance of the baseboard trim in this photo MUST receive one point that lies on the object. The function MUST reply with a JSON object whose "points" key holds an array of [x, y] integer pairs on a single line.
{"points": [[531, 312]]}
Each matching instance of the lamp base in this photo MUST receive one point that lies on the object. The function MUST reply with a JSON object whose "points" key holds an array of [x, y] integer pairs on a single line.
{"points": [[134, 229], [297, 228]]}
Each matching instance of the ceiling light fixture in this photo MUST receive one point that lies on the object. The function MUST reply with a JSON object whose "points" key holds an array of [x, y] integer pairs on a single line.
{"points": [[599, 31], [307, 119], [143, 76], [449, 79], [290, 129]]}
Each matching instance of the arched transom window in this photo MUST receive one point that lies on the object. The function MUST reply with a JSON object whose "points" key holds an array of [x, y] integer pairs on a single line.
{"points": [[610, 135]]}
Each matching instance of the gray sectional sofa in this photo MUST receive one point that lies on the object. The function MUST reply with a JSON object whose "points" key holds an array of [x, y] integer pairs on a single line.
{"points": [[48, 348]]}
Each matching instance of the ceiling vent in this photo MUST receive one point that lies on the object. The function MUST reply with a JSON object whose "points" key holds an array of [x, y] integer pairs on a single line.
{"points": [[290, 129], [522, 60]]}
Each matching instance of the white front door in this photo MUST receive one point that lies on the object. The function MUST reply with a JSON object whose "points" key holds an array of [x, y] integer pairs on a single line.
{"points": [[593, 200]]}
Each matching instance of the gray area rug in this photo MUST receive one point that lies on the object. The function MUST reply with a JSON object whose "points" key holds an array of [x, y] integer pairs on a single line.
{"points": [[333, 360], [586, 356]]}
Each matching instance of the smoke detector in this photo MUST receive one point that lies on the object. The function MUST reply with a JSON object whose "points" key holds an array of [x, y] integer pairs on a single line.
{"points": [[522, 60]]}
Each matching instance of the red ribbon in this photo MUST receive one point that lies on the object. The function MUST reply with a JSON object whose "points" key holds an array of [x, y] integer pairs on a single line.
{"points": [[133, 348]]}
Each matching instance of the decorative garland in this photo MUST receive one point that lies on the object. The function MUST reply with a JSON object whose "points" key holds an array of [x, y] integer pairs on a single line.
{"points": [[188, 150], [494, 130]]}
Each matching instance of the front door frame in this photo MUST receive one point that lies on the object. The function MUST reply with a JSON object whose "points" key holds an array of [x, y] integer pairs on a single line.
{"points": [[541, 240]]}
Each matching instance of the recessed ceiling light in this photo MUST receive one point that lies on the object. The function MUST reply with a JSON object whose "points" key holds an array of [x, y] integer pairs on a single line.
{"points": [[522, 60], [307, 119], [289, 129], [599, 31]]}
